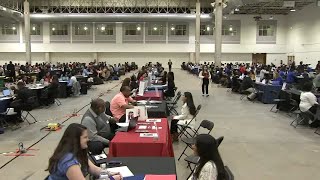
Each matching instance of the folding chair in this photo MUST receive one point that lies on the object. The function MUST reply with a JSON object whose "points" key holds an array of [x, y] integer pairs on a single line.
{"points": [[57, 101], [276, 100], [206, 124], [302, 116], [184, 127], [229, 175], [29, 107], [173, 104], [195, 159]]}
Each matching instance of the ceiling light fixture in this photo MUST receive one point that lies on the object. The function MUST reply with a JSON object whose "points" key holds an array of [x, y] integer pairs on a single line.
{"points": [[34, 28], [208, 28], [237, 9], [53, 29], [13, 28], [85, 28], [103, 28], [230, 28], [172, 28], [292, 10], [155, 28], [138, 28], [271, 17]]}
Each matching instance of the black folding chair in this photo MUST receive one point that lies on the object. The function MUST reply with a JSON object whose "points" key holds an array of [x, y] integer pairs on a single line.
{"points": [[184, 127], [302, 117], [229, 174], [276, 100], [28, 108], [195, 159], [206, 124], [173, 104]]}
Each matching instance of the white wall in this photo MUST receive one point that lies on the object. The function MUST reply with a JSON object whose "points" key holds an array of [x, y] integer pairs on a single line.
{"points": [[228, 58], [303, 40], [20, 57], [65, 52], [276, 59]]}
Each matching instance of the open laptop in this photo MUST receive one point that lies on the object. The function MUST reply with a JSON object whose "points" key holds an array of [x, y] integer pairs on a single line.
{"points": [[6, 92], [128, 126]]}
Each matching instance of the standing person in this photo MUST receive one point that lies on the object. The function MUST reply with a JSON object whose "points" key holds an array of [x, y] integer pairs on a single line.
{"points": [[205, 76], [70, 159], [188, 111], [11, 71], [170, 65], [210, 166]]}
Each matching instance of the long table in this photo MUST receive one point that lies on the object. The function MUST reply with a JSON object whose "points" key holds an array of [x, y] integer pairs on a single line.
{"points": [[267, 96], [128, 144], [152, 95]]}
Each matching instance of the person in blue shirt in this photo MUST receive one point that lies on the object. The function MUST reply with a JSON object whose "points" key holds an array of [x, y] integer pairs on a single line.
{"points": [[291, 77], [85, 72], [70, 161], [277, 80]]}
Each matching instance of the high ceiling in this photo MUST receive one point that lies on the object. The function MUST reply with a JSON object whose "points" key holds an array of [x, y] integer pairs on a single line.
{"points": [[154, 6]]}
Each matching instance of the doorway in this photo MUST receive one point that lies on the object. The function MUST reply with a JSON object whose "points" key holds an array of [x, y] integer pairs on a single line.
{"points": [[260, 58]]}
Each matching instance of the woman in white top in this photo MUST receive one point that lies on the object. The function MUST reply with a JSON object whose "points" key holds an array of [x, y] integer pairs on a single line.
{"points": [[187, 113], [308, 100], [210, 166]]}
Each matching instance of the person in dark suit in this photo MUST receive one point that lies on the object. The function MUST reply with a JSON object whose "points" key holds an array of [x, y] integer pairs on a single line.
{"points": [[21, 100], [11, 71], [246, 82]]}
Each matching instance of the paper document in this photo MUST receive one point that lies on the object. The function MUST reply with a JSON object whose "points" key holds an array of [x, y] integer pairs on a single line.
{"points": [[101, 156], [153, 120], [158, 127], [160, 177], [123, 124], [123, 170], [148, 135], [142, 127]]}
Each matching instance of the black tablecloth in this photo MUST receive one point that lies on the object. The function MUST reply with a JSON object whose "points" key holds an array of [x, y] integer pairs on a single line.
{"points": [[148, 165], [161, 111]]}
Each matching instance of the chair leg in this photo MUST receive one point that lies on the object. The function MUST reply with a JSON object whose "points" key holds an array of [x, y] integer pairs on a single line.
{"points": [[183, 152], [57, 101], [273, 107], [316, 131], [35, 120]]}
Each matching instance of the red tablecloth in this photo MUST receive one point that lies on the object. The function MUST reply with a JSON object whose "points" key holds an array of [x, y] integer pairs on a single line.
{"points": [[126, 144], [153, 95]]}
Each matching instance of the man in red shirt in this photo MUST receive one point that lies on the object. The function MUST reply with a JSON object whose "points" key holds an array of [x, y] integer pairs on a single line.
{"points": [[120, 103]]}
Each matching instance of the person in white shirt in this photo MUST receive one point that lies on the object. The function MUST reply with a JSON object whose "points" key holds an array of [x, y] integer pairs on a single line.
{"points": [[210, 166], [262, 72], [188, 111], [308, 101]]}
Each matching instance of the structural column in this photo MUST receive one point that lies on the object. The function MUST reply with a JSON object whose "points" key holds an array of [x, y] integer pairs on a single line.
{"points": [[218, 32], [95, 57], [27, 31], [197, 37], [47, 57]]}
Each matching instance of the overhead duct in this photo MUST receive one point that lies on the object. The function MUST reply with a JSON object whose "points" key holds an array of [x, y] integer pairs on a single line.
{"points": [[8, 14], [123, 17]]}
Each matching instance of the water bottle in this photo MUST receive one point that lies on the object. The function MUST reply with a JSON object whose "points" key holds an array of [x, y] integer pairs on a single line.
{"points": [[104, 174]]}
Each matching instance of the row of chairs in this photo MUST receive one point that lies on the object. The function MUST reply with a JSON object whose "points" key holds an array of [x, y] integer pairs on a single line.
{"points": [[187, 134]]}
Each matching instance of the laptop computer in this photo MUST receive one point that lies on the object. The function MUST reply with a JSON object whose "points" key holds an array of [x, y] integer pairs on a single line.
{"points": [[131, 125], [6, 92]]}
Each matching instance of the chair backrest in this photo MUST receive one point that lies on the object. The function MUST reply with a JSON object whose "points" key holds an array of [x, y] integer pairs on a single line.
{"points": [[197, 110], [108, 111], [228, 173], [219, 140], [177, 97], [207, 125]]}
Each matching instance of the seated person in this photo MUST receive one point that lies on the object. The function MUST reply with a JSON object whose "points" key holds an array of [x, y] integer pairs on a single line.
{"points": [[246, 83], [291, 77], [47, 77], [235, 84], [210, 166], [277, 79], [188, 111], [52, 90], [70, 159], [120, 103], [126, 82], [170, 92], [21, 101], [133, 82], [316, 81], [71, 87], [164, 78], [98, 125], [308, 101]]}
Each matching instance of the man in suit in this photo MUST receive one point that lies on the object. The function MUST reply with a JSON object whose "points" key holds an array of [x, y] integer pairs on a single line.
{"points": [[21, 99]]}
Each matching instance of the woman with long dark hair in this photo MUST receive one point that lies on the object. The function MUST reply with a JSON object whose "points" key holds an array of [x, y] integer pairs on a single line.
{"points": [[164, 78], [126, 82], [170, 92], [210, 166], [70, 160], [205, 76], [188, 111]]}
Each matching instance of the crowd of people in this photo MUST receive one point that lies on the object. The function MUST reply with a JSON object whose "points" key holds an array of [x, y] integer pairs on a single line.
{"points": [[98, 127]]}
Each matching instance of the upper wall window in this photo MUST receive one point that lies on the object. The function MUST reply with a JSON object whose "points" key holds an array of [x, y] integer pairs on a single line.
{"points": [[105, 29], [59, 29], [9, 29], [229, 30], [206, 30], [35, 29], [266, 30], [155, 30], [178, 30], [132, 29], [82, 29]]}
